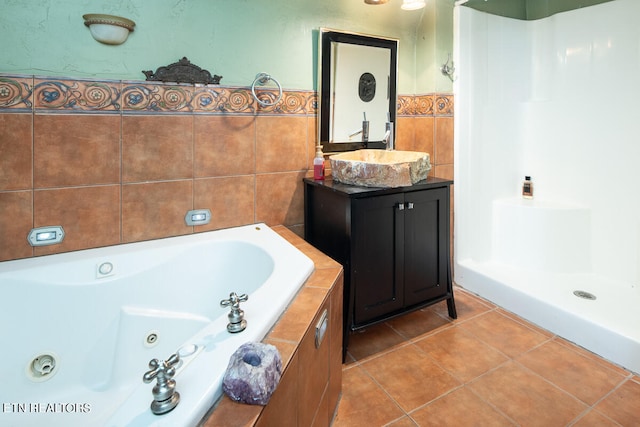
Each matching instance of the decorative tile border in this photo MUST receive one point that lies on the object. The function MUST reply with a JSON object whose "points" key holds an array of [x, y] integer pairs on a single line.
{"points": [[156, 97], [209, 99], [76, 95], [444, 105], [41, 94], [405, 105], [425, 105], [16, 93], [418, 105]]}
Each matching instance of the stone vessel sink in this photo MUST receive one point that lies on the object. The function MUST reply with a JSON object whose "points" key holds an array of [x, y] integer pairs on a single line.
{"points": [[380, 168]]}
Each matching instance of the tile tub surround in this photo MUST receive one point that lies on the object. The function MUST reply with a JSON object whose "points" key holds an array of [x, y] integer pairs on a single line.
{"points": [[144, 153], [307, 378]]}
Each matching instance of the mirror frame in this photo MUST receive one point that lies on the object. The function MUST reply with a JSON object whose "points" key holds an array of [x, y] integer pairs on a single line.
{"points": [[327, 37]]}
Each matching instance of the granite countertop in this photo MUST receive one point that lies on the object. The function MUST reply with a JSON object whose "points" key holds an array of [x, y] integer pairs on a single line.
{"points": [[358, 191]]}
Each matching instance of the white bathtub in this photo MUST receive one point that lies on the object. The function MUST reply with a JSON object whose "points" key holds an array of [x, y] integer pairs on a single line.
{"points": [[96, 325]]}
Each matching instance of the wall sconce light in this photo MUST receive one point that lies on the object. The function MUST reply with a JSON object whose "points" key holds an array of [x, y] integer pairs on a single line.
{"points": [[108, 29], [406, 4], [412, 4]]}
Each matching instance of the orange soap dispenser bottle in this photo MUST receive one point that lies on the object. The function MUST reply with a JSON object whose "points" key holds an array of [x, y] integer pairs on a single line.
{"points": [[318, 164]]}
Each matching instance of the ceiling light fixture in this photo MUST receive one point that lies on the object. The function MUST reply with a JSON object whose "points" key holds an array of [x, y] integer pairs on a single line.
{"points": [[375, 1]]}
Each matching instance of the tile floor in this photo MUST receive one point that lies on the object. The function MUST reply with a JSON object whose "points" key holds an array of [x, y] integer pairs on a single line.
{"points": [[486, 368]]}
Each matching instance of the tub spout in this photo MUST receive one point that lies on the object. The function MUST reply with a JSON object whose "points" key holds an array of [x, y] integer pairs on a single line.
{"points": [[165, 396], [236, 316]]}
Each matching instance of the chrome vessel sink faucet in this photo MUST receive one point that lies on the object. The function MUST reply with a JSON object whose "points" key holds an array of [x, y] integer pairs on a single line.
{"points": [[388, 136]]}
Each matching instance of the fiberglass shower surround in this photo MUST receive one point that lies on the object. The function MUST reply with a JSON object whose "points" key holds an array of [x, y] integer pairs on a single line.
{"points": [[555, 99]]}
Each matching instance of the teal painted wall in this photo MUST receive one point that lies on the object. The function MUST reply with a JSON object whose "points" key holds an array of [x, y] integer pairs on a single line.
{"points": [[236, 38], [233, 38]]}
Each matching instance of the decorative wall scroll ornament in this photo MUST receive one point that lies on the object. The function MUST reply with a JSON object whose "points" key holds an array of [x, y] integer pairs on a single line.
{"points": [[182, 71], [367, 87]]}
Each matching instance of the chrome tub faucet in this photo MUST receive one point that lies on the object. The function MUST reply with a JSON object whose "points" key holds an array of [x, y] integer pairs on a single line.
{"points": [[165, 396]]}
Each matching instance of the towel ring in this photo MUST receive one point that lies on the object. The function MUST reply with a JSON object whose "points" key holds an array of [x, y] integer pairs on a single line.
{"points": [[262, 79]]}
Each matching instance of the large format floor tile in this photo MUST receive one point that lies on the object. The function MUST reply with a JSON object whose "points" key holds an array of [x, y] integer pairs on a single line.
{"points": [[489, 367], [583, 377], [526, 397], [410, 376], [451, 349], [364, 402]]}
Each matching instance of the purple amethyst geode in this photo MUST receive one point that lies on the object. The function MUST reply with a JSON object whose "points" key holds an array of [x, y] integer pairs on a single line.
{"points": [[253, 373]]}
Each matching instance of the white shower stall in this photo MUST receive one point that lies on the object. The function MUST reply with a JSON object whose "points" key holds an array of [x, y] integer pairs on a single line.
{"points": [[557, 99]]}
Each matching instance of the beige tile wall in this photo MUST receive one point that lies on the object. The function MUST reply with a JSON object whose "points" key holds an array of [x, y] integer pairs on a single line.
{"points": [[433, 135], [113, 177]]}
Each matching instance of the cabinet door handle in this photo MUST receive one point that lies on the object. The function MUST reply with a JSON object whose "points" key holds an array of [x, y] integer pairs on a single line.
{"points": [[400, 206], [410, 205]]}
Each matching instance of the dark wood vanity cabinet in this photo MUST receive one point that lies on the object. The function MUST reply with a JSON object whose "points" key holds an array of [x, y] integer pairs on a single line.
{"points": [[392, 242]]}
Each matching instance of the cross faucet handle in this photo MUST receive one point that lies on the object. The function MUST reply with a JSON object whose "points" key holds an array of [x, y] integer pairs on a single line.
{"points": [[236, 315], [165, 396], [234, 300], [163, 369]]}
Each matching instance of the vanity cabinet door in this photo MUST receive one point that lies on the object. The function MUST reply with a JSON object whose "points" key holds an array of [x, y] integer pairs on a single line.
{"points": [[426, 245], [377, 270], [392, 243]]}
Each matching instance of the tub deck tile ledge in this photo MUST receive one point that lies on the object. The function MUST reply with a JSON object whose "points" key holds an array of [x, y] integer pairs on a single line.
{"points": [[288, 331]]}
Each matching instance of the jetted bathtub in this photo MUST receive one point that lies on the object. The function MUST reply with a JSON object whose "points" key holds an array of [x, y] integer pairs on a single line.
{"points": [[78, 329]]}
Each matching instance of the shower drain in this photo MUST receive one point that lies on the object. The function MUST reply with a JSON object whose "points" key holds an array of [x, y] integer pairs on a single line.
{"points": [[584, 295]]}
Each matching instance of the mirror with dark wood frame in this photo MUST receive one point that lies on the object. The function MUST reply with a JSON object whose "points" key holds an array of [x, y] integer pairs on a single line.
{"points": [[357, 88]]}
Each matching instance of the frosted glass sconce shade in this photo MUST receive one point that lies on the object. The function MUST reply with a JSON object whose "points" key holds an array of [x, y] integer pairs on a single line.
{"points": [[108, 29], [412, 4]]}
